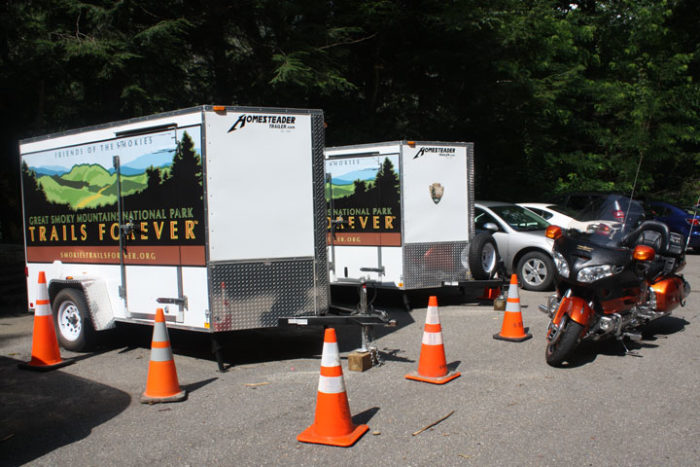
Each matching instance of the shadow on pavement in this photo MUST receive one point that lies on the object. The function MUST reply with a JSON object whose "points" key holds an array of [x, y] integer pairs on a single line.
{"points": [[254, 345], [44, 411], [658, 329], [365, 416]]}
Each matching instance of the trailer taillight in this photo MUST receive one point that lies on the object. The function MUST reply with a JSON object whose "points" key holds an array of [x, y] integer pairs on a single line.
{"points": [[219, 108], [26, 271], [411, 143]]}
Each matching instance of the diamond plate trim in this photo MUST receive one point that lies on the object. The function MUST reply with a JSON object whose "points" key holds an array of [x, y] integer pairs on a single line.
{"points": [[319, 192], [470, 190], [250, 295], [430, 264]]}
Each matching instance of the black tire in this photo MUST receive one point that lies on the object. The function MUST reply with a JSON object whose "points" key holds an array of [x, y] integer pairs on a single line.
{"points": [[74, 328], [535, 271], [483, 256], [561, 350]]}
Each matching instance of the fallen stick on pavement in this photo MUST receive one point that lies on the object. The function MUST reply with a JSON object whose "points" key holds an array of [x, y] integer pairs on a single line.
{"points": [[432, 424]]}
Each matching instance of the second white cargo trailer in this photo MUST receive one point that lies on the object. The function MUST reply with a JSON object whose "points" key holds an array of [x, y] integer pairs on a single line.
{"points": [[401, 215], [215, 214]]}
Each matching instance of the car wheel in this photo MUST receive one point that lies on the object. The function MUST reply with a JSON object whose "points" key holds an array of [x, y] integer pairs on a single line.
{"points": [[483, 256], [535, 271]]}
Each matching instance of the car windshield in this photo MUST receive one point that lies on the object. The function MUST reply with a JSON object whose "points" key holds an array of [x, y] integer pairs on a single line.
{"points": [[520, 218]]}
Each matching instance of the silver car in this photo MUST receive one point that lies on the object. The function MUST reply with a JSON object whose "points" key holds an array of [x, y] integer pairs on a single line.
{"points": [[519, 236]]}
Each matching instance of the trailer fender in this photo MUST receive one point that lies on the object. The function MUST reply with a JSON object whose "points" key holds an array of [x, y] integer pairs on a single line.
{"points": [[96, 297]]}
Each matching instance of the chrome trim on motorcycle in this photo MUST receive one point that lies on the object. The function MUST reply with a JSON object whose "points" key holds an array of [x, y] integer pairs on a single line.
{"points": [[554, 331]]}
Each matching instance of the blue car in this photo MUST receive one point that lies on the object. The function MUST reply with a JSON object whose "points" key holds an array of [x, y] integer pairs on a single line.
{"points": [[683, 221]]}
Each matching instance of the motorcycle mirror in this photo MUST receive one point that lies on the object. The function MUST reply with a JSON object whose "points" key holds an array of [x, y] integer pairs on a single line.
{"points": [[553, 232], [643, 253]]}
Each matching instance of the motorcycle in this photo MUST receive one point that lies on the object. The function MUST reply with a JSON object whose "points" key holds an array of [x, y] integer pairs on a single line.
{"points": [[611, 281]]}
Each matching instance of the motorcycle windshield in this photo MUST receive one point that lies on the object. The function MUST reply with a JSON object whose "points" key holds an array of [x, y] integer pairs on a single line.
{"points": [[610, 219]]}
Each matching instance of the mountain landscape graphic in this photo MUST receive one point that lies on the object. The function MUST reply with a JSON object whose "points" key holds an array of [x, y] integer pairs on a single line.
{"points": [[159, 159], [349, 178]]}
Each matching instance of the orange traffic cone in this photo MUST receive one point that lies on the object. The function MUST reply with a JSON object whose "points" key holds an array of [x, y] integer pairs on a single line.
{"points": [[45, 353], [512, 329], [490, 293], [432, 366], [332, 423], [162, 384]]}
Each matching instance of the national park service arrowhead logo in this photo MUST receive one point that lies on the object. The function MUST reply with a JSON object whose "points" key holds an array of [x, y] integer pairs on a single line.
{"points": [[436, 192]]}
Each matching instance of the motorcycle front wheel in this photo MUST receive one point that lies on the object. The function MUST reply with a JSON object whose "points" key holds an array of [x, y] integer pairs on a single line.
{"points": [[561, 349]]}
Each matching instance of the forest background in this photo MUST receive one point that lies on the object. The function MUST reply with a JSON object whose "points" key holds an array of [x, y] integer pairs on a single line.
{"points": [[556, 95]]}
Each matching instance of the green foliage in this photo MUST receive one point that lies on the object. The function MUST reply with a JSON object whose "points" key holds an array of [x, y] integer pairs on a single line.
{"points": [[556, 95], [89, 186]]}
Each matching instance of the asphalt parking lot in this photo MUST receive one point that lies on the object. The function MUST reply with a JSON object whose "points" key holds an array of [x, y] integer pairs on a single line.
{"points": [[509, 407]]}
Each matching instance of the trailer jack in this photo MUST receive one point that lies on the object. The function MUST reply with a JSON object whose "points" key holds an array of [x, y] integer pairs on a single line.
{"points": [[363, 314]]}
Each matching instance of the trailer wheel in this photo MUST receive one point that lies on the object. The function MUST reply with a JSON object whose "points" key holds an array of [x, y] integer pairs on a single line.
{"points": [[74, 328], [483, 256]]}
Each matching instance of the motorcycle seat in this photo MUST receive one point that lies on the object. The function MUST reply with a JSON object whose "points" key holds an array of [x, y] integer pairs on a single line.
{"points": [[653, 234], [653, 239], [658, 236]]}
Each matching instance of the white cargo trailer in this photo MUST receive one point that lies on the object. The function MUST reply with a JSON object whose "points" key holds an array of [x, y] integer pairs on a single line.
{"points": [[215, 214], [401, 216]]}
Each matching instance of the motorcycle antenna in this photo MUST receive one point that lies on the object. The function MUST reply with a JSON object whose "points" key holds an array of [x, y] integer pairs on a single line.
{"points": [[634, 186], [692, 224]]}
